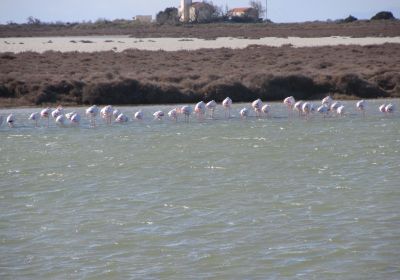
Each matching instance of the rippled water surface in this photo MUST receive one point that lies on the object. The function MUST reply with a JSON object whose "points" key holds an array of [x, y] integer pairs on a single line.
{"points": [[270, 198]]}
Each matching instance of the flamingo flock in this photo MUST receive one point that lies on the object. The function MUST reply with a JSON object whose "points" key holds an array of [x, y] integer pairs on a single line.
{"points": [[304, 109]]}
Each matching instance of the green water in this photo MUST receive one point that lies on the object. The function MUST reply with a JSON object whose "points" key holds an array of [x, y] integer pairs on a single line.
{"points": [[273, 198]]}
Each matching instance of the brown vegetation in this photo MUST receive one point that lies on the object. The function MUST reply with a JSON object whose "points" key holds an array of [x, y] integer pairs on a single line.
{"points": [[207, 31], [143, 77]]}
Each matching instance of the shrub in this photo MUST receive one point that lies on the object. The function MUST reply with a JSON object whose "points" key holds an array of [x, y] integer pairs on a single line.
{"points": [[383, 15]]}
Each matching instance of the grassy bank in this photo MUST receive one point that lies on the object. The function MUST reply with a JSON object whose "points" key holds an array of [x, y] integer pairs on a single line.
{"points": [[362, 28], [146, 77]]}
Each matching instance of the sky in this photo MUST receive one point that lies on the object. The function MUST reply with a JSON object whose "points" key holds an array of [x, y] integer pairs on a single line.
{"points": [[278, 10]]}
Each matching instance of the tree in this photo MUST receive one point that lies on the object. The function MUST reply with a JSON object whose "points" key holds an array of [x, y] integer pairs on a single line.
{"points": [[33, 21], [216, 11], [383, 15], [169, 16], [256, 5]]}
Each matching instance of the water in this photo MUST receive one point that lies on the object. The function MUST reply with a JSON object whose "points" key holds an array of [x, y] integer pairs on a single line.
{"points": [[271, 198], [121, 43]]}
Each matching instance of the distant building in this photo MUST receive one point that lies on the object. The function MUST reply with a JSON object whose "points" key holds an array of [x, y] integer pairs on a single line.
{"points": [[144, 19], [195, 12], [247, 12]]}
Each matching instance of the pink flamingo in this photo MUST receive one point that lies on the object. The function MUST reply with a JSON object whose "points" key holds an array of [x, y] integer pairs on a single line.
{"points": [[266, 109], [244, 113], [92, 112], [289, 102], [34, 117], [324, 110], [158, 115], [173, 114], [211, 107], [107, 113], [45, 113], [200, 110], [139, 115], [186, 111], [227, 104], [10, 120], [340, 110], [60, 120], [361, 106], [298, 107], [257, 106], [121, 118]]}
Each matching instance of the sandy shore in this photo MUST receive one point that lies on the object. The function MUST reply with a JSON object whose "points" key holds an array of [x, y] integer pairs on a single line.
{"points": [[121, 43]]}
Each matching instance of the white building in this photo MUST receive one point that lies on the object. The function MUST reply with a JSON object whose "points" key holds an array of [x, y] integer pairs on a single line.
{"points": [[143, 19], [195, 11]]}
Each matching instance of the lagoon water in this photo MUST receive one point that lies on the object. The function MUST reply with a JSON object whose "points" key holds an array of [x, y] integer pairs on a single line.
{"points": [[270, 198], [121, 43]]}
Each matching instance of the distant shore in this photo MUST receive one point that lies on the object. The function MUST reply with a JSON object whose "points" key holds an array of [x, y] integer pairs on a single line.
{"points": [[361, 28], [159, 77]]}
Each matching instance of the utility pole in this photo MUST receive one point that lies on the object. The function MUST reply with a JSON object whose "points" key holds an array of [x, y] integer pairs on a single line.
{"points": [[266, 10]]}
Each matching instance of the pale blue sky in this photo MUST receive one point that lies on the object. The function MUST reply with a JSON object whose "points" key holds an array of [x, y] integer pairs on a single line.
{"points": [[279, 10]]}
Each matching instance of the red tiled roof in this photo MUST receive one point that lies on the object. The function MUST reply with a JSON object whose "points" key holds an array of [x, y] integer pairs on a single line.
{"points": [[240, 10]]}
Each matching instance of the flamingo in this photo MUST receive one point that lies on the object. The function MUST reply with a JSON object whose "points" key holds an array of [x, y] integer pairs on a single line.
{"points": [[257, 105], [200, 110], [227, 104], [298, 107], [390, 108], [60, 120], [211, 107], [382, 108], [121, 118], [289, 102], [158, 115], [69, 115], [313, 108], [116, 113], [306, 109], [335, 106], [186, 111], [107, 113], [139, 115], [34, 117], [173, 114], [45, 115], [266, 109], [244, 113], [340, 110], [323, 109], [92, 112], [57, 112], [75, 119], [327, 101], [10, 120], [360, 105]]}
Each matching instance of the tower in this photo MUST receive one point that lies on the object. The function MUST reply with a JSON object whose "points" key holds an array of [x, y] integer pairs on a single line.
{"points": [[185, 10]]}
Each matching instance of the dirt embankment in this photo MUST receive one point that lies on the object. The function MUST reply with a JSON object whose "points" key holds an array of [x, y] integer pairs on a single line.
{"points": [[144, 77], [364, 28]]}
